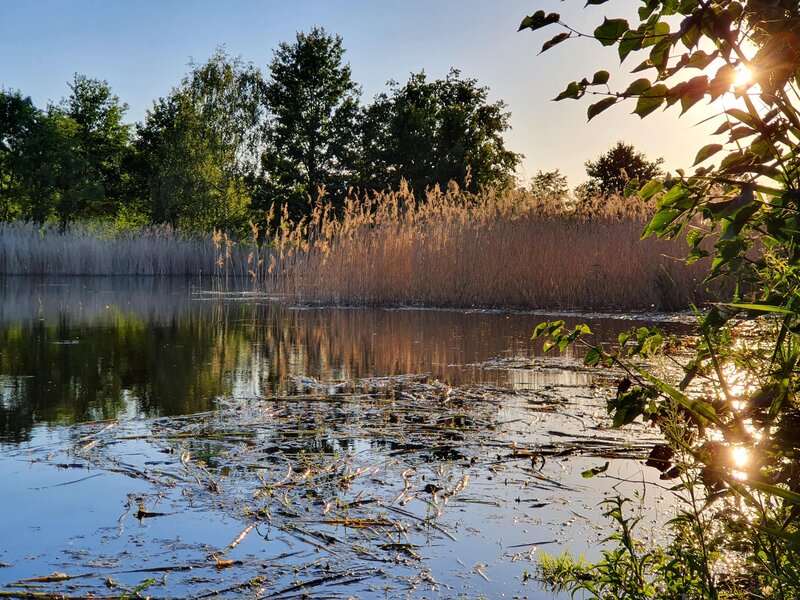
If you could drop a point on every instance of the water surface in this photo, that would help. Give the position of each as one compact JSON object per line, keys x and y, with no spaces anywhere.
{"x":89,"y":369}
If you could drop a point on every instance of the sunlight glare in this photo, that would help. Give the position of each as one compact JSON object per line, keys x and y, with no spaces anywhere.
{"x":740,"y":457}
{"x":744,"y":77}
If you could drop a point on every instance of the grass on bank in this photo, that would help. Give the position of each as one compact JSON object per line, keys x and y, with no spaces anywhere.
{"x":500,"y":248}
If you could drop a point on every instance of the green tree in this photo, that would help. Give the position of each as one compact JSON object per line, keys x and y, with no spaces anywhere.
{"x":199,"y":146}
{"x":432,"y":132}
{"x":549,"y":184}
{"x":92,"y":180}
{"x":742,"y":208}
{"x":18,"y":119}
{"x":311,"y":134}
{"x":611,"y":172}
{"x":66,"y":162}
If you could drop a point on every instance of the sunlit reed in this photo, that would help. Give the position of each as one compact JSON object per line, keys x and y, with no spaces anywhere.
{"x":495,"y":249}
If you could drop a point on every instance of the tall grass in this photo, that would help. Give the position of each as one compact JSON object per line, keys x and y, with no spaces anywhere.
{"x":499,"y":248}
{"x":27,"y":249}
{"x":495,"y":249}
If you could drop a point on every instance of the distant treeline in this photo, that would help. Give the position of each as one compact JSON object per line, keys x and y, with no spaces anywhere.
{"x":230,"y":141}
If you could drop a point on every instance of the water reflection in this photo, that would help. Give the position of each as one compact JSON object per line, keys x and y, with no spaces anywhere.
{"x":90,"y":349}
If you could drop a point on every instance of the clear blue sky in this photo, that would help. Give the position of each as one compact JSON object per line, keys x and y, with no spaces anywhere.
{"x":141,"y":48}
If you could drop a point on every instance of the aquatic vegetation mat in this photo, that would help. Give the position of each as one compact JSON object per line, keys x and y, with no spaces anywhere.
{"x":383,"y":486}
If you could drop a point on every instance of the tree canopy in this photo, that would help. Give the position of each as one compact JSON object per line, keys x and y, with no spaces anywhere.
{"x":611,"y":172}
{"x":229,"y":141}
{"x":312,"y":104}
{"x":198,"y":146}
{"x":64,"y":162}
{"x":432,"y":132}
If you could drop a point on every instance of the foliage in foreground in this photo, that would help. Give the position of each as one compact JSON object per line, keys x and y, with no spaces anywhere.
{"x":731,"y":417}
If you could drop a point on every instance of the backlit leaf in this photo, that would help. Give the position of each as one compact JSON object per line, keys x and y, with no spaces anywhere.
{"x":600,"y":78}
{"x":598,"y":107}
{"x":638,"y":87}
{"x":554,"y":41}
{"x":610,"y":31}
{"x":538,"y":20}
{"x":658,"y":33}
{"x":573,"y":90}
{"x":593,"y":357}
{"x":631,"y":40}
{"x":650,"y":189}
{"x":705,"y":152}
{"x":651,"y":100}
{"x":700,"y":60}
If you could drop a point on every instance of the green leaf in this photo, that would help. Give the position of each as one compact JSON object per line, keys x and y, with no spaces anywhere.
{"x":538,"y":20}
{"x":766,"y":308}
{"x":638,"y":87}
{"x":630,"y":41}
{"x":658,"y":33}
{"x":660,"y":221}
{"x":699,"y":408}
{"x":659,"y":55}
{"x":743,"y":116}
{"x":593,"y":356}
{"x":693,"y":91}
{"x":610,"y":31}
{"x":555,"y":40}
{"x":594,"y":471}
{"x":700,"y":60}
{"x":631,"y":188}
{"x":774,"y":490}
{"x":794,"y":538}
{"x":600,"y":78}
{"x":650,"y":189}
{"x":539,"y":330}
{"x":574,"y":90}
{"x":705,"y":152}
{"x":598,"y":107}
{"x":627,"y":406}
{"x":651,"y":100}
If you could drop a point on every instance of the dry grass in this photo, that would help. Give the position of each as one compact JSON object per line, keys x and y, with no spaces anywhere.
{"x":497,"y":249}
{"x":508,"y":249}
{"x":27,"y":249}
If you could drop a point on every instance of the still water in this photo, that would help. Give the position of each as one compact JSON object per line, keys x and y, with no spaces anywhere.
{"x":80,"y":355}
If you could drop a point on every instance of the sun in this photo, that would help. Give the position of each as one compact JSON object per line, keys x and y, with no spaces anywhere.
{"x":744,"y":76}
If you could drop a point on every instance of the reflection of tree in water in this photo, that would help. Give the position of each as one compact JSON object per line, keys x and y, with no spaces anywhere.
{"x":89,"y":351}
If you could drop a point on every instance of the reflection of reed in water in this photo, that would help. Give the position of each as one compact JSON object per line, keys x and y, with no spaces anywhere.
{"x":97,"y":349}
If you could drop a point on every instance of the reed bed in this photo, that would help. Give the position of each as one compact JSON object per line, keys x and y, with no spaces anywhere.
{"x":497,"y":249}
{"x":29,"y":249}
{"x":506,"y":249}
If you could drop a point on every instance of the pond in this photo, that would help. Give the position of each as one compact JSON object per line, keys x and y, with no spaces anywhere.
{"x":157,"y":435}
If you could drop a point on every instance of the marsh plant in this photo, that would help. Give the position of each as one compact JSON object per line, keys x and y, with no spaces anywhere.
{"x":730,"y":417}
{"x":395,"y":248}
{"x":501,"y":247}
